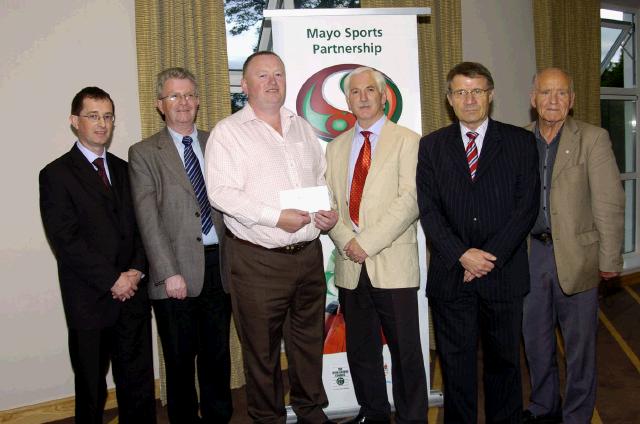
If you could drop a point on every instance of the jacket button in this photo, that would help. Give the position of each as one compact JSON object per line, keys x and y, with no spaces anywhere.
{"x":198,"y":214}
{"x":199,"y":238}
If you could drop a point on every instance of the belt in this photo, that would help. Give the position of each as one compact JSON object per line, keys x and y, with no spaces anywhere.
{"x":211,"y":247}
{"x":290,"y":249}
{"x":543,"y":237}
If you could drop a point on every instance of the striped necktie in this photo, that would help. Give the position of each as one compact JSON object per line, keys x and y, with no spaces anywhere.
{"x":472,"y":154}
{"x":194,"y":172}
{"x":360,"y":171}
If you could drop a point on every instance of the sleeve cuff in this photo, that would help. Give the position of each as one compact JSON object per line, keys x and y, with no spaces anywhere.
{"x":269,"y":217}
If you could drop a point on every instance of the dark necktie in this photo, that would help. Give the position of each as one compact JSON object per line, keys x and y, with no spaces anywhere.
{"x":102,"y":173}
{"x":472,"y":154}
{"x":192,"y":166}
{"x":360,"y":171}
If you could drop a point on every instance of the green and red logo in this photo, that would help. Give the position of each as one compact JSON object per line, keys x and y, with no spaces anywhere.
{"x":328,"y":121}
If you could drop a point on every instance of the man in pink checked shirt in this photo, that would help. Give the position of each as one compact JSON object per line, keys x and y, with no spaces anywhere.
{"x":274,"y":256}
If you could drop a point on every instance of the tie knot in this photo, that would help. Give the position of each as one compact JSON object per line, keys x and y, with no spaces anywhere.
{"x":187,"y":141}
{"x":472,"y":135}
{"x":366,"y":134}
{"x":99,"y":163}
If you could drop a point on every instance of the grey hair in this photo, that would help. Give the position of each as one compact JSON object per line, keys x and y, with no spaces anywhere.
{"x":380,"y":80}
{"x":174,"y":73}
{"x":534,"y":81}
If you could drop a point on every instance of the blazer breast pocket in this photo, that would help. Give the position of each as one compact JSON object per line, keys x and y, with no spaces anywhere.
{"x":574,"y":173}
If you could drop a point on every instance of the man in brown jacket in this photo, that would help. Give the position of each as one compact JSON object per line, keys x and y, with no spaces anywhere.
{"x":575,"y":242}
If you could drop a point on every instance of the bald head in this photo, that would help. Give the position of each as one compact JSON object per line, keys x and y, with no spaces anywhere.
{"x":552,"y":96}
{"x":552,"y":72}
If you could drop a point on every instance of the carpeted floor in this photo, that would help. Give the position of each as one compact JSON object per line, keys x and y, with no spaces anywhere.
{"x":618,"y":399}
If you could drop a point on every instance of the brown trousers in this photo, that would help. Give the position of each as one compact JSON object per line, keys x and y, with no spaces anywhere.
{"x":276,"y":295}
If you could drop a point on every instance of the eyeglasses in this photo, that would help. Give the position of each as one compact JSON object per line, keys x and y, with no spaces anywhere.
{"x":475,"y":92}
{"x":189,"y":97}
{"x":95,"y":117}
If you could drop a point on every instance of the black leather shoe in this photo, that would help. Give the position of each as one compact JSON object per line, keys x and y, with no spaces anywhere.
{"x":360,"y":419}
{"x":529,"y":418}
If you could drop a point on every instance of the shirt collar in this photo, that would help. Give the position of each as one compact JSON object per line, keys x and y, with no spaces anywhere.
{"x":247,"y":113}
{"x":91,"y":156}
{"x":539,"y":137}
{"x":177,"y":137}
{"x":376,"y":128}
{"x":481,"y":130}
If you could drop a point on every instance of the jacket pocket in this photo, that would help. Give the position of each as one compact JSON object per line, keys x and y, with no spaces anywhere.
{"x":588,"y":238}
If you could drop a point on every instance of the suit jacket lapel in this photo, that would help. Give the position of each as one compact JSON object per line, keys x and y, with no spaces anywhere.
{"x":342,"y":153}
{"x":490,"y":148}
{"x":384,"y":147}
{"x":455,"y":149}
{"x":171,"y":159}
{"x":88,"y":175}
{"x":567,"y":145}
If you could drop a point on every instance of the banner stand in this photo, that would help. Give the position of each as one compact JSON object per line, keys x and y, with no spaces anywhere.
{"x":319,"y":47}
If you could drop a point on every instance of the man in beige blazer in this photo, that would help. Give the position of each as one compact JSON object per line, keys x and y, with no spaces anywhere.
{"x":182,"y":235}
{"x":575,"y":242}
{"x":371,"y":175}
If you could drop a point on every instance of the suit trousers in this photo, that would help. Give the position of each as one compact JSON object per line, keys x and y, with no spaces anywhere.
{"x":127,"y":344}
{"x":276,"y":295}
{"x":194,"y":331}
{"x":366,"y":311}
{"x":459,"y":323}
{"x":577,"y":315}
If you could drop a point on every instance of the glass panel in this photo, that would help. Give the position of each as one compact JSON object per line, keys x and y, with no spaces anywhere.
{"x":238,"y":100}
{"x":607,"y":37}
{"x":619,"y":118}
{"x":325,"y":4}
{"x":617,"y":49}
{"x":243,"y":19}
{"x":630,"y":216}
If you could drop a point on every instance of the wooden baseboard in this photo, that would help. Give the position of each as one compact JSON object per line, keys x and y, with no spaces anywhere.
{"x":630,"y":279}
{"x":54,"y":410}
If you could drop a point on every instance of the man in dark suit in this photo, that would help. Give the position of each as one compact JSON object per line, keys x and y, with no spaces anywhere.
{"x":182,"y":234}
{"x":477,"y":183}
{"x":88,"y":217}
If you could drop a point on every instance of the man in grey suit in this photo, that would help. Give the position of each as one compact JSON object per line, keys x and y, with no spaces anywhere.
{"x":181,"y":233}
{"x":575,"y":242}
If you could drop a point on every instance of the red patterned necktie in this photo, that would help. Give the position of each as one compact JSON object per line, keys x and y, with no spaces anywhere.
{"x":102,"y":173}
{"x":472,"y":154}
{"x":360,"y":171}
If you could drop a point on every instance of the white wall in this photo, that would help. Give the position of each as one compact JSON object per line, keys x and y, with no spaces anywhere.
{"x":499,"y":34}
{"x":49,"y":51}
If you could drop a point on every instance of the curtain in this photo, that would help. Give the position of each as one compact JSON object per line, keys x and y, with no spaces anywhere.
{"x":439,"y":49}
{"x":567,"y":35}
{"x":190,"y":34}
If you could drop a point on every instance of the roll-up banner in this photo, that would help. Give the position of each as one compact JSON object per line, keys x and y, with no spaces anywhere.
{"x":319,"y":47}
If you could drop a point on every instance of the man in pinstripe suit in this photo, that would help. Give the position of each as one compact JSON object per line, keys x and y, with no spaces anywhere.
{"x":478,"y":194}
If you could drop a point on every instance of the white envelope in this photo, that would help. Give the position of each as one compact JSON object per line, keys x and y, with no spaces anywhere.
{"x":310,"y":199}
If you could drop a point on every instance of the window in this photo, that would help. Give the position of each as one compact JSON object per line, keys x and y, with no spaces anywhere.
{"x":619,"y":104}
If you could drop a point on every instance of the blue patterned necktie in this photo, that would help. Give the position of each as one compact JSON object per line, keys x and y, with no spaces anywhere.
{"x":192,"y":166}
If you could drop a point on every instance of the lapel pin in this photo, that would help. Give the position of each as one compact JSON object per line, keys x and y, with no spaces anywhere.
{"x":566,"y":151}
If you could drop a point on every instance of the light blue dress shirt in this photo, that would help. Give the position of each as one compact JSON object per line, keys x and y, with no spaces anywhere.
{"x":211,"y":238}
{"x":92,"y":156}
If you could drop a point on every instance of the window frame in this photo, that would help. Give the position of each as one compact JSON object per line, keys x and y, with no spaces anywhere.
{"x":631,"y":259}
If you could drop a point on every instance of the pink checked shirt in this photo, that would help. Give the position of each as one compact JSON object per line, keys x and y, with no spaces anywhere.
{"x":248,"y":163}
